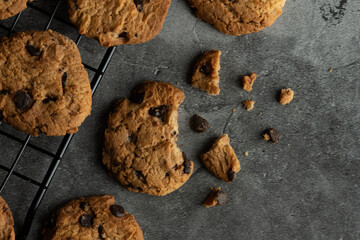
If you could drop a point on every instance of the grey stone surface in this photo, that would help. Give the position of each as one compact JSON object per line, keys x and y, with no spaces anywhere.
{"x":305,"y":187}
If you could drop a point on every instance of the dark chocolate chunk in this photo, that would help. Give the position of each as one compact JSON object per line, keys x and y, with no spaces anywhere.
{"x":123,"y":35}
{"x":199,"y":124}
{"x":167,"y":174}
{"x":273,"y":134}
{"x":159,"y":111}
{"x":83,"y":205}
{"x":137,"y":97}
{"x":117,"y":211}
{"x":205,"y":69}
{"x":63,"y":79}
{"x":22,"y":100}
{"x":33,"y":51}
{"x":101,"y":231}
{"x":86,"y":220}
{"x":187,"y":164}
{"x":220,"y":197}
{"x":139,"y":5}
{"x":231,"y":175}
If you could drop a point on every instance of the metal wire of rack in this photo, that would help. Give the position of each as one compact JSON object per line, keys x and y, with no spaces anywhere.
{"x":66,"y":140}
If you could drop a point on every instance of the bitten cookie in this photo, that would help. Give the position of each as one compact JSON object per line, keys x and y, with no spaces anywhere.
{"x":43,"y":85}
{"x":237,"y":17}
{"x":9,"y":8}
{"x":6,"y":222}
{"x":140,"y":142}
{"x":116,"y":22}
{"x":221,"y":159}
{"x":90,"y":218}
{"x":206,"y":72}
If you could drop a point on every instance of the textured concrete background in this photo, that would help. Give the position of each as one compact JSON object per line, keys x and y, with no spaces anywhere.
{"x":305,"y":187}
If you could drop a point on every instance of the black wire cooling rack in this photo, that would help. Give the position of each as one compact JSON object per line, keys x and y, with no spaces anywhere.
{"x":58,"y":155}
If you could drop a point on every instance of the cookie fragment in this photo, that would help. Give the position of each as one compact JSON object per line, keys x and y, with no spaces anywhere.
{"x":6,"y":221}
{"x":248,"y":81}
{"x":221,"y":159}
{"x":216,"y":197}
{"x":9,"y":8}
{"x":206,"y":72}
{"x":199,"y":124}
{"x":286,"y":96}
{"x":249,"y":105}
{"x":272,"y":135}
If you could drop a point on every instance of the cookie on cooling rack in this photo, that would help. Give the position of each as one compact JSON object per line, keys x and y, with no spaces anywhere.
{"x":43,"y":84}
{"x":9,"y":8}
{"x":237,"y":17}
{"x":140,"y":142}
{"x":90,"y":218}
{"x":119,"y":22}
{"x":6,"y":221}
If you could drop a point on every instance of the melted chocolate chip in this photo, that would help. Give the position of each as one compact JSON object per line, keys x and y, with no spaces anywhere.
{"x":123,"y":35}
{"x":220,"y":197}
{"x":117,"y":211}
{"x":167,"y":174}
{"x":33,"y":51}
{"x":86,"y":220}
{"x":83,"y":205}
{"x":22,"y":100}
{"x":139,"y":5}
{"x":205,"y":69}
{"x":158,"y":112}
{"x":187,"y":164}
{"x":50,"y":99}
{"x":137,"y":97}
{"x":199,"y":124}
{"x":101,"y":231}
{"x":231,"y":175}
{"x":63,"y":79}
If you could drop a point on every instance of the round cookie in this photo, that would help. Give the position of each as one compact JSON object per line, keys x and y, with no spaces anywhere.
{"x":6,"y":221}
{"x":237,"y":17}
{"x":9,"y":8}
{"x":116,"y":22}
{"x":140,"y":142}
{"x":91,"y":218}
{"x":43,"y":84}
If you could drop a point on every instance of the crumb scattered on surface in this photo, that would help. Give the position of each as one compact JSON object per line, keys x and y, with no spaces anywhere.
{"x":286,"y":96}
{"x":199,"y":124}
{"x":216,"y":197}
{"x":248,"y":82}
{"x":246,"y":154}
{"x":177,"y":83}
{"x":272,"y":135}
{"x":262,"y":125}
{"x":288,"y":145}
{"x":330,"y":70}
{"x":266,"y":137}
{"x":234,"y":110}
{"x":260,"y":113}
{"x":249,"y":105}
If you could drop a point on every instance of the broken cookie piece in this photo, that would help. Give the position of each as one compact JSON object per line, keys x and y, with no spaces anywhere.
{"x":199,"y":124}
{"x":248,"y":105}
{"x":215,"y":197}
{"x":248,"y":82}
{"x":221,"y":159}
{"x":272,"y":135}
{"x":286,"y":96}
{"x":206,"y":72}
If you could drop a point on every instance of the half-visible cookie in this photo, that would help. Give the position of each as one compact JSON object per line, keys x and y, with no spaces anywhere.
{"x":9,"y":8}
{"x":140,"y":142}
{"x":116,"y":22}
{"x":6,"y":222}
{"x":237,"y":17}
{"x":92,"y":218}
{"x":221,"y":159}
{"x":43,"y":84}
{"x":206,"y":72}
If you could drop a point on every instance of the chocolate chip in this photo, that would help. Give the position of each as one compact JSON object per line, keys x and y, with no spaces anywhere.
{"x":33,"y":51}
{"x":3,"y":92}
{"x":117,"y":211}
{"x":220,"y":197}
{"x":22,"y":100}
{"x":137,"y":97}
{"x":199,"y":124}
{"x":123,"y":35}
{"x":139,"y":174}
{"x":167,"y":174}
{"x":205,"y":69}
{"x":158,"y":112}
{"x":231,"y":175}
{"x":50,"y":99}
{"x":101,"y":231}
{"x":175,"y":167}
{"x":83,"y":205}
{"x":63,"y":79}
{"x":86,"y":220}
{"x":139,"y":5}
{"x":273,"y":134}
{"x":187,"y":164}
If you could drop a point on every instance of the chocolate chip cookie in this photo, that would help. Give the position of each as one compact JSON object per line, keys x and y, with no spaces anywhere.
{"x":206,"y":72}
{"x":221,"y":159}
{"x":9,"y":8}
{"x":116,"y":22}
{"x":43,"y":85}
{"x":140,"y":142}
{"x":90,"y":218}
{"x":237,"y":17}
{"x":6,"y":221}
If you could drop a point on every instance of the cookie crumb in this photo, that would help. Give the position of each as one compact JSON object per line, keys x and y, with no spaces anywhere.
{"x":330,"y":69}
{"x":248,"y":105}
{"x":248,"y":82}
{"x":286,"y":96}
{"x":272,"y":135}
{"x":246,"y":154}
{"x":177,"y":83}
{"x":260,"y":113}
{"x":216,"y":197}
{"x":234,"y":110}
